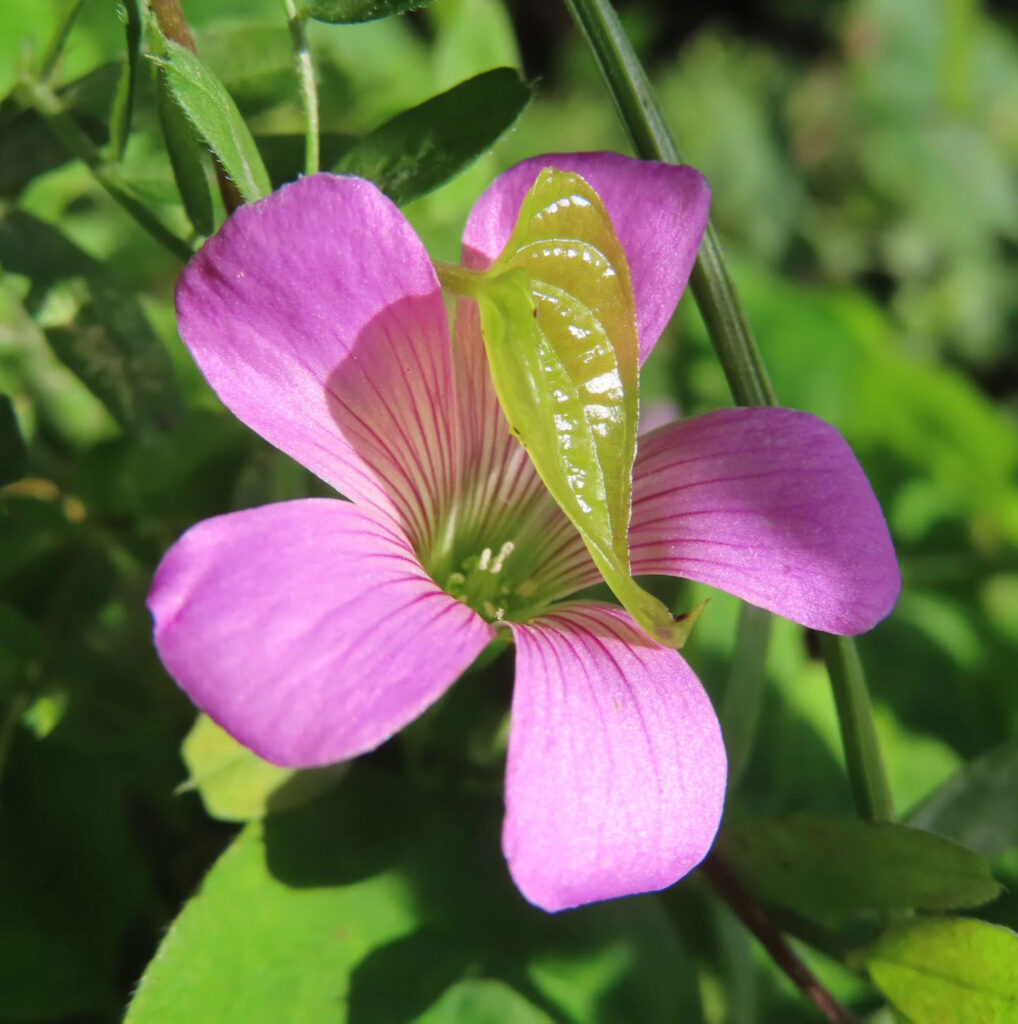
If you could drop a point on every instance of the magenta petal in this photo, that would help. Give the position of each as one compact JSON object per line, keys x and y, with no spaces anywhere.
{"x":308,"y":629}
{"x":616,"y":774}
{"x":316,"y":316}
{"x":659,"y":212}
{"x":770,"y":505}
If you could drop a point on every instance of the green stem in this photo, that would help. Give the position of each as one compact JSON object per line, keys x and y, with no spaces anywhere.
{"x":711,"y":283}
{"x":63,"y":125}
{"x":740,"y":358}
{"x":866,"y":773}
{"x":56,"y":46}
{"x":308,"y":87}
{"x":743,"y":697}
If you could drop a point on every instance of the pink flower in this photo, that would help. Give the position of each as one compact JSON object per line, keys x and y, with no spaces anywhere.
{"x":313,"y":630}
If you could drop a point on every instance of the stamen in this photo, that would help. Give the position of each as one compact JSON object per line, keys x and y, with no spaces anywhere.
{"x":504,"y":552}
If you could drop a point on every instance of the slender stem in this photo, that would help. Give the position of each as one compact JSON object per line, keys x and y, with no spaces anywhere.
{"x":173,"y":25}
{"x":63,"y":125}
{"x":866,"y":773}
{"x":743,"y":696}
{"x":711,"y":283}
{"x":756,"y":919}
{"x":56,"y":46}
{"x":740,"y":358}
{"x":308,"y":87}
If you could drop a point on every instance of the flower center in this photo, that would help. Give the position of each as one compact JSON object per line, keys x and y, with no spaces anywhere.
{"x":489,"y":582}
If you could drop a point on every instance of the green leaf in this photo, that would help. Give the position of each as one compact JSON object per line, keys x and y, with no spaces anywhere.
{"x":235,"y":784}
{"x":372,"y":902}
{"x":976,"y":806}
{"x":28,"y":147}
{"x":73,"y":882}
{"x":94,"y":324}
{"x":12,"y":447}
{"x":358,"y":10}
{"x":284,"y":153}
{"x":483,"y":1001}
{"x":558,"y":319}
{"x":840,"y":866}
{"x":948,"y":971}
{"x":123,"y":102}
{"x":215,"y":117}
{"x":427,"y":145}
{"x":187,"y":158}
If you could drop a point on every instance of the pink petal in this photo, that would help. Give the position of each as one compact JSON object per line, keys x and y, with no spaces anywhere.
{"x":616,"y":773}
{"x":308,"y":629}
{"x":316,"y":316}
{"x":659,"y":212}
{"x":770,"y":505}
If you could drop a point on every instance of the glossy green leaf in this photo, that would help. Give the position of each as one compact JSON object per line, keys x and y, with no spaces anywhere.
{"x":559,"y":324}
{"x":841,"y":866}
{"x":374,"y":902}
{"x":358,"y":10}
{"x":123,"y":102}
{"x":951,"y":970}
{"x":12,"y":447}
{"x":423,"y":147}
{"x":235,"y":784}
{"x":977,"y":806}
{"x":215,"y":117}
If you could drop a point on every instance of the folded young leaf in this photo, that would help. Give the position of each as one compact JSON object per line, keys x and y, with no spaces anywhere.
{"x":558,"y":319}
{"x":216,"y":119}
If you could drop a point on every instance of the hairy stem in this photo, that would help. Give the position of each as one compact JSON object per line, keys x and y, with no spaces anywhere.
{"x":308,"y":87}
{"x":756,"y":919}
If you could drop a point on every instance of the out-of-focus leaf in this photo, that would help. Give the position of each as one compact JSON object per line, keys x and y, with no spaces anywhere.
{"x":483,"y":1001}
{"x":187,"y":158}
{"x":380,"y":880}
{"x":123,"y":102}
{"x":284,"y":154}
{"x":977,"y":806}
{"x":841,"y":866}
{"x":951,"y":970}
{"x":96,"y":327}
{"x":28,"y":147}
{"x":215,"y":117}
{"x":559,"y":325}
{"x":471,"y":36}
{"x":235,"y":784}
{"x":72,"y":883}
{"x":336,"y":11}
{"x":12,"y":446}
{"x":423,"y":147}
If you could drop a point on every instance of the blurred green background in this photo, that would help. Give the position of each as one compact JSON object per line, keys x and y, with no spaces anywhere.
{"x":864,"y":162}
